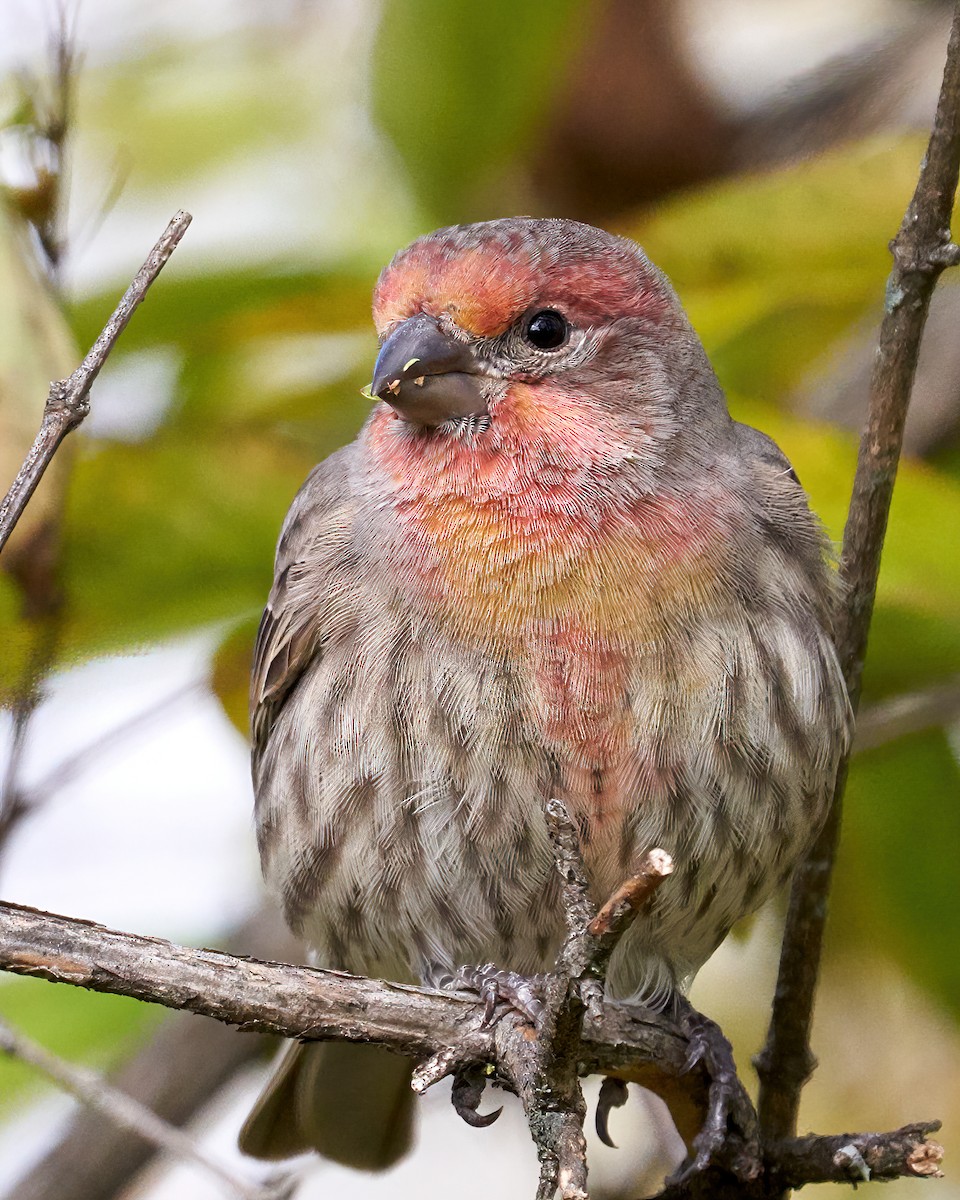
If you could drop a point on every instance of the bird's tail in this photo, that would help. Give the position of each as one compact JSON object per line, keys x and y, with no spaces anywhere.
{"x":351,"y":1103}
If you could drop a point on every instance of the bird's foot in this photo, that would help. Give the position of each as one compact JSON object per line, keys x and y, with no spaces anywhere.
{"x":501,"y":991}
{"x":729,"y":1136}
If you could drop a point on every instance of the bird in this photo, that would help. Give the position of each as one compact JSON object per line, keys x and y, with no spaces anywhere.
{"x":551,"y":565}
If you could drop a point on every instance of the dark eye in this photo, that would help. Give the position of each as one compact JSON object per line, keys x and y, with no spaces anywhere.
{"x":546,"y":330}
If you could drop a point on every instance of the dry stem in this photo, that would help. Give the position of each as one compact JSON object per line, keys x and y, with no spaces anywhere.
{"x":921,"y":250}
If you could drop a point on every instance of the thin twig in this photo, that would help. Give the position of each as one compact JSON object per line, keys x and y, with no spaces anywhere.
{"x":545,"y":1075}
{"x":75,"y":764}
{"x":631,"y":897}
{"x":593,"y":936}
{"x":921,"y":250}
{"x":69,"y":400}
{"x":92,"y":1090}
{"x":859,"y":1157}
{"x":898,"y":716}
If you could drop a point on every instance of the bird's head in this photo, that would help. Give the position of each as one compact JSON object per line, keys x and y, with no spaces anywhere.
{"x":575,"y":320}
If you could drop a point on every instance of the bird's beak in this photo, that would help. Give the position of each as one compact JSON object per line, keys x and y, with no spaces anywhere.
{"x":426,"y":376}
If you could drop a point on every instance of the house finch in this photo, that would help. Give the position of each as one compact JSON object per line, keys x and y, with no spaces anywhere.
{"x":550,"y":565}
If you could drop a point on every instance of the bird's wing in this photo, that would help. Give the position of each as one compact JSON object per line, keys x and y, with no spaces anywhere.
{"x":753,"y":443}
{"x":313,"y":544}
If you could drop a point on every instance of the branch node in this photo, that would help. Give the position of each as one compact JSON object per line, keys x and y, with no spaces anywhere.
{"x":947,"y":255}
{"x":849,"y":1159}
{"x":65,"y":402}
{"x":435,"y":1068}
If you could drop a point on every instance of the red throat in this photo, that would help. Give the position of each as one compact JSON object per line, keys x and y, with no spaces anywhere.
{"x":536,"y":516}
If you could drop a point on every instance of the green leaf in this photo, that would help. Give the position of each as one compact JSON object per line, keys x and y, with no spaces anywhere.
{"x":179,"y":529}
{"x":461,"y":89}
{"x":898,"y":873}
{"x":69,"y":1022}
{"x":772,"y":268}
{"x":225,"y":308}
{"x":918,"y":596}
{"x":168,"y":537}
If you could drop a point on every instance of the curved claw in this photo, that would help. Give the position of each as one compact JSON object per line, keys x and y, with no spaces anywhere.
{"x":613,"y":1094}
{"x":466,"y":1096}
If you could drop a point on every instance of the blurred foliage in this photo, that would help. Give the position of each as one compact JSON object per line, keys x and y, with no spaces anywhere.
{"x":897,"y":875}
{"x":774,"y":270}
{"x":88,"y":1026}
{"x":460,"y":100}
{"x":232,"y":664}
{"x":36,"y":346}
{"x":174,"y":527}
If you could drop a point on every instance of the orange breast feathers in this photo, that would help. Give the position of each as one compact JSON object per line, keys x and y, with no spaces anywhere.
{"x":535,"y":520}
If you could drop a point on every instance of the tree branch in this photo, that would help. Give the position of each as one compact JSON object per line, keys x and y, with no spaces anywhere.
{"x":628,"y":1042}
{"x":921,"y":250}
{"x":306,"y":1002}
{"x":69,"y":399}
{"x":858,"y":1157}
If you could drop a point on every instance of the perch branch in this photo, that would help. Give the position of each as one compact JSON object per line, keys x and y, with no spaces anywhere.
{"x":69,"y":399}
{"x":304,"y":1002}
{"x":921,"y":250}
{"x":294,"y":1001}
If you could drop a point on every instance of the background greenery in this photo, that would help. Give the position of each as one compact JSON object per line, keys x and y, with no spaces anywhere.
{"x":260,"y":339}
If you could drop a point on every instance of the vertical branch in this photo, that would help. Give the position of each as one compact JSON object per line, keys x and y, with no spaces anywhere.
{"x":921,"y":250}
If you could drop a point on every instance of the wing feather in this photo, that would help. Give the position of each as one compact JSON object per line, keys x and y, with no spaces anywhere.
{"x":313,"y":543}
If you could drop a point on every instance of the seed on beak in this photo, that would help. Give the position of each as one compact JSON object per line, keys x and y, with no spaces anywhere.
{"x":419,"y":380}
{"x":408,"y":365}
{"x":394,"y":387}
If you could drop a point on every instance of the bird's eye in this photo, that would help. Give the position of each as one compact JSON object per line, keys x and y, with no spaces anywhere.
{"x":546,"y":330}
